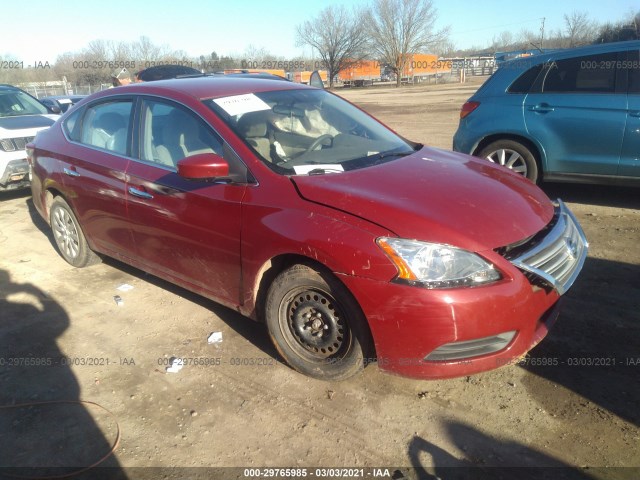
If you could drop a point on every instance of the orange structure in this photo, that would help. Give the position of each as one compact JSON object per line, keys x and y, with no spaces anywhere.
{"x":362,"y":70}
{"x":423,"y":64}
{"x":303,"y":77}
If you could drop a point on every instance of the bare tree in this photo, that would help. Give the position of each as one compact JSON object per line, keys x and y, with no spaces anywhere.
{"x":528,"y":40}
{"x":627,"y":29}
{"x":445,"y":48}
{"x":580,"y":30}
{"x":339,"y":37}
{"x":502,"y":41}
{"x":399,"y":28}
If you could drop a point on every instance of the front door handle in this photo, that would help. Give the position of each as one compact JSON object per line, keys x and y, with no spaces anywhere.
{"x":71,"y":173}
{"x":635,"y":114}
{"x":541,"y":108}
{"x":140,"y":193}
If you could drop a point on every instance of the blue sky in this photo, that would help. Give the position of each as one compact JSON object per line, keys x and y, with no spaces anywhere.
{"x":229,"y":27}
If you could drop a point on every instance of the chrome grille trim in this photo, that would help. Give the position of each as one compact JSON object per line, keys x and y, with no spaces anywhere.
{"x":13,"y":144}
{"x":559,"y":257}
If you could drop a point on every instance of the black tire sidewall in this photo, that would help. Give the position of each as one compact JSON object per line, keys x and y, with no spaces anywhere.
{"x":353,"y":360}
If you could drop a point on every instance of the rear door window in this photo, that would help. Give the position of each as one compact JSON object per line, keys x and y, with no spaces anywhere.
{"x":587,"y":74}
{"x":107,"y":126}
{"x":632,"y":66}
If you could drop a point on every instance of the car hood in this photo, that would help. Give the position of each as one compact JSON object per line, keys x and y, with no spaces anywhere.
{"x":437,"y":196}
{"x":9,"y":125}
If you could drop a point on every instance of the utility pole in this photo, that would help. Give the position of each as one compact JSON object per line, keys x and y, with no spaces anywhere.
{"x":542,"y":33}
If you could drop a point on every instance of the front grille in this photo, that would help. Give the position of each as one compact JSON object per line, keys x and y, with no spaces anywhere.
{"x":558,"y":256}
{"x":13,"y":144}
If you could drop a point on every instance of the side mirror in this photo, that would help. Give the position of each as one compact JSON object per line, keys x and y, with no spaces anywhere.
{"x":315,"y":80}
{"x":203,"y":166}
{"x":53,"y":109}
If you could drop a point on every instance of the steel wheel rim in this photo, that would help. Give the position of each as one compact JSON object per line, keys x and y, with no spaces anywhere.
{"x":66,"y":233}
{"x":510,"y":159}
{"x":314,"y":325}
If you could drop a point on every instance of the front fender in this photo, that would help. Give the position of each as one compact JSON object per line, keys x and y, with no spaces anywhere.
{"x":342,"y":243}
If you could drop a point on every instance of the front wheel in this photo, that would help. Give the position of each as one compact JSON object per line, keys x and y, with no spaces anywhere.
{"x":316,"y":324}
{"x":512,"y":155}
{"x":68,"y":235}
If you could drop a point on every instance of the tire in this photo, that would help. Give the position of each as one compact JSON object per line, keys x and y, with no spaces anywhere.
{"x":68,"y":235}
{"x":512,"y":155}
{"x":316,"y":325}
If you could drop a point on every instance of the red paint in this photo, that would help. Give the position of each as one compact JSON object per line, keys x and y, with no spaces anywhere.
{"x":217,"y":238}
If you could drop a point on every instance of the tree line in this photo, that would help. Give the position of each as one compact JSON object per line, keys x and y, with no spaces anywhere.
{"x":386,"y":31}
{"x":390,"y":30}
{"x":578,"y":29}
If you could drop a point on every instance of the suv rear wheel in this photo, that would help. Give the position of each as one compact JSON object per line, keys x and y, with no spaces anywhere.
{"x":513,"y":155}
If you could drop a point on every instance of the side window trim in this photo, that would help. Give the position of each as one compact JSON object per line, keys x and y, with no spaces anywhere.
{"x":551,"y":63}
{"x":80,"y":123}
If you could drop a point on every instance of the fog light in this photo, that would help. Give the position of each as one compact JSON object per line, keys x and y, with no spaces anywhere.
{"x":470,"y":348}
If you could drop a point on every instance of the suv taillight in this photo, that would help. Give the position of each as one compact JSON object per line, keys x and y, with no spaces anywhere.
{"x":467,"y":108}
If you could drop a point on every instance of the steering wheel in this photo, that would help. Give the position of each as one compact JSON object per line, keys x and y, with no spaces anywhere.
{"x":316,"y":143}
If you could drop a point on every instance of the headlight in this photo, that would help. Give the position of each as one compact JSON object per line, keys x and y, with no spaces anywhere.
{"x":437,"y":266}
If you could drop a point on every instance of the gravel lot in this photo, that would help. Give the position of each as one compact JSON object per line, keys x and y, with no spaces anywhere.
{"x":573,"y":405}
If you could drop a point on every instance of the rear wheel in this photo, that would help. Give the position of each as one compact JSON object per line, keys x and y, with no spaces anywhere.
{"x":316,"y":324}
{"x":68,"y":235}
{"x":513,"y":155}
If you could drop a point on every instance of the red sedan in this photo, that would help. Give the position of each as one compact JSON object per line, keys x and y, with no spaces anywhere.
{"x":296,"y":208}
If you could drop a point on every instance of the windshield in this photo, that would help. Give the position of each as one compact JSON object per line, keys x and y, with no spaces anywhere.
{"x":300,"y":132}
{"x":15,"y":102}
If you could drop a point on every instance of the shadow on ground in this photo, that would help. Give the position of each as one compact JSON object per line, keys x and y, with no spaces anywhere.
{"x":604,"y":195}
{"x":46,"y":429}
{"x":593,"y":349}
{"x":484,"y":457}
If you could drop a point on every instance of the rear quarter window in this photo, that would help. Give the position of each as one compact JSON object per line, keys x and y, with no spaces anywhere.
{"x":525,"y":81}
{"x":72,"y":127}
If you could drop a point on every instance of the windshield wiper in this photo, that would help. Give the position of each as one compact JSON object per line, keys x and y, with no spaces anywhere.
{"x":392,"y":154}
{"x":322,"y":171}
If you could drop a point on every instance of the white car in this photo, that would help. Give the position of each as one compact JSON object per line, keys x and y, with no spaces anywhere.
{"x":21,"y":117}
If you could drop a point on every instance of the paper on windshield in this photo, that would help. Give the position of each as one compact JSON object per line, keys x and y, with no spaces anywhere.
{"x":240,"y":104}
{"x":328,"y":168}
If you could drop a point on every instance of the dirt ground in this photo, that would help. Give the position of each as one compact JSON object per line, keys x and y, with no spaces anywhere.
{"x":573,"y":405}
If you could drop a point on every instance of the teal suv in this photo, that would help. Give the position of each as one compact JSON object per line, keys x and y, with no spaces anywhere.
{"x":568,"y":115}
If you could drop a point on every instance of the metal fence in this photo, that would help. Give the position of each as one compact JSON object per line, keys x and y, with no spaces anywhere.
{"x":58,"y":88}
{"x":460,"y":69}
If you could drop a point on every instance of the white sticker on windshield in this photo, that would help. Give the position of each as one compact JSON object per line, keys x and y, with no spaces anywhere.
{"x":239,"y":104}
{"x":328,"y":168}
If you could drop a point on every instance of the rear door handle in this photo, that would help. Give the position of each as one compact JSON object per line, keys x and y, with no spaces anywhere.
{"x":71,"y":173}
{"x":635,"y":114}
{"x":541,"y":108}
{"x":140,"y":193}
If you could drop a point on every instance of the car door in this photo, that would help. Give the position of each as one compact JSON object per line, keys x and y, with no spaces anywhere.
{"x":94,"y":172}
{"x":184,"y":230}
{"x":630,"y":155}
{"x":577,"y":112}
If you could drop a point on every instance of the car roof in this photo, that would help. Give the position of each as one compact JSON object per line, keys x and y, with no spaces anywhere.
{"x":529,"y":61}
{"x":9,"y":87}
{"x":206,"y":87}
{"x":60,"y":97}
